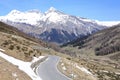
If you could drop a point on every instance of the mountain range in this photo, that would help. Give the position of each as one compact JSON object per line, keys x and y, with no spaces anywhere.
{"x":53,"y":25}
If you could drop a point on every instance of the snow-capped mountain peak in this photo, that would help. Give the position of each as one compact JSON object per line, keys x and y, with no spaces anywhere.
{"x":54,"y":15}
{"x":13,"y":12}
{"x":28,"y":17}
{"x":52,"y":9}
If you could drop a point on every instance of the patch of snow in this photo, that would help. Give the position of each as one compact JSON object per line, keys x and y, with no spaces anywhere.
{"x":36,"y":59}
{"x":14,"y":36}
{"x":14,"y":74}
{"x":87,"y":20}
{"x":84,"y":70}
{"x":73,"y":75}
{"x":2,"y":50}
{"x":108,"y":72}
{"x":24,"y":66}
{"x":16,"y":79}
{"x":62,"y":64}
{"x":64,"y":68}
{"x":118,"y":73}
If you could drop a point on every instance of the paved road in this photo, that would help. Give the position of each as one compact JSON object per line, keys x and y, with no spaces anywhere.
{"x":47,"y":70}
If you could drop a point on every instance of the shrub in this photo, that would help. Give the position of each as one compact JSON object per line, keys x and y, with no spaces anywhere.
{"x":18,"y":47}
{"x":68,"y":58}
{"x":14,"y":39}
{"x":5,"y":43}
{"x":24,"y":48}
{"x":11,"y":47}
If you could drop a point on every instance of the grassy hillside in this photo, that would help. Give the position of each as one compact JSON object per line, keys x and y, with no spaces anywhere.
{"x":18,"y":44}
{"x":103,"y":42}
{"x":12,"y":30}
{"x":99,"y":52}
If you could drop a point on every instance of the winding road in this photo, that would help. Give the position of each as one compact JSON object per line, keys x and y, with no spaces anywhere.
{"x":47,"y":70}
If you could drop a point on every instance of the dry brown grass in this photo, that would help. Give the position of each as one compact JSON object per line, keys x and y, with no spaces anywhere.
{"x":71,"y":69}
{"x":9,"y":71}
{"x":18,"y":47}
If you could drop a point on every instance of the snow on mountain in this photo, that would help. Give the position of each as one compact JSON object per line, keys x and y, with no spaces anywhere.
{"x":53,"y":25}
{"x":54,"y":15}
{"x":108,"y":23}
{"x":30,"y":17}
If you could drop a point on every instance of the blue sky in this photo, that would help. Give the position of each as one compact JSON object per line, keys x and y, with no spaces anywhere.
{"x":103,"y":10}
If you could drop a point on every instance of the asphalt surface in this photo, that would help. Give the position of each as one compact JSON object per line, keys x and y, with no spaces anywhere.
{"x":47,"y":70}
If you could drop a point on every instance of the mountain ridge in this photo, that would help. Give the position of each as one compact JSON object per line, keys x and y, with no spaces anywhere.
{"x":103,"y":42}
{"x":51,"y":23}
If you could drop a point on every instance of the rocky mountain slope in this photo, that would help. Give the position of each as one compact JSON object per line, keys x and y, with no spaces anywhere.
{"x":103,"y":42}
{"x":52,"y":26}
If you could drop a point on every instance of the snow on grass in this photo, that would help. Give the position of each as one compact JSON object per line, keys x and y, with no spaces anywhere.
{"x":84,"y":70}
{"x":73,"y":75}
{"x":24,"y":66}
{"x":64,"y":68}
{"x":62,"y":64}
{"x":2,"y":50}
{"x":14,"y":74}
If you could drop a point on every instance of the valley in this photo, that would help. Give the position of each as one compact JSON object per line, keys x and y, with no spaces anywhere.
{"x":57,"y":46}
{"x":105,"y":66}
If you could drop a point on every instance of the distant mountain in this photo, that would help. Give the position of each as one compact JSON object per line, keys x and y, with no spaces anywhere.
{"x":52,"y":26}
{"x":108,"y":23}
{"x":104,"y":42}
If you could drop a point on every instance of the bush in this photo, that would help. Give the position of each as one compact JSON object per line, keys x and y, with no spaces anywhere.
{"x":18,"y":47}
{"x":14,"y":39}
{"x":11,"y":47}
{"x":68,"y":58}
{"x":5,"y":43}
{"x":24,"y":48}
